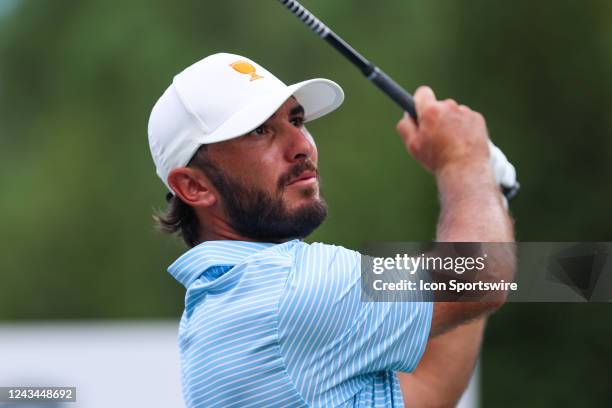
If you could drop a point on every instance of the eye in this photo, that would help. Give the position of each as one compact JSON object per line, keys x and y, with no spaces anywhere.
{"x":259,"y":131}
{"x":298,"y":121}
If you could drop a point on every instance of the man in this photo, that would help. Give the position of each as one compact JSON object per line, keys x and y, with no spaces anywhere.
{"x":269,"y":320}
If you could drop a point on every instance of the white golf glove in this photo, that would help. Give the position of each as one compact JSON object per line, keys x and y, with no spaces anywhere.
{"x":504,"y":171}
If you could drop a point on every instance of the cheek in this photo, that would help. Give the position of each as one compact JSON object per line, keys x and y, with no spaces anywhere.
{"x":252,"y":166}
{"x":254,"y":171}
{"x":264,"y":173}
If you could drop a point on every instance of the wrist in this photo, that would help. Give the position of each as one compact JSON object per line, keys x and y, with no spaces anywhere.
{"x":472,"y":180}
{"x":467,"y":172}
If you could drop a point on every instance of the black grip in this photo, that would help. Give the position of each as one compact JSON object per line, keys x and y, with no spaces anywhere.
{"x":394,"y":91}
{"x":511,"y":192}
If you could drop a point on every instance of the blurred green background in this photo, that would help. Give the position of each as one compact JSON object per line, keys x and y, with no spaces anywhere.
{"x":78,"y":80}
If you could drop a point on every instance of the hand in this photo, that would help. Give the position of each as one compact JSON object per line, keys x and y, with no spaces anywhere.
{"x":448,"y":134}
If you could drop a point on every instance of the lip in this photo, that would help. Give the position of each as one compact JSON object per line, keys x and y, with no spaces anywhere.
{"x":308,"y":177}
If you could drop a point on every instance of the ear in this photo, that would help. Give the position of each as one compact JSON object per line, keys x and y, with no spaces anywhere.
{"x":192,"y":187}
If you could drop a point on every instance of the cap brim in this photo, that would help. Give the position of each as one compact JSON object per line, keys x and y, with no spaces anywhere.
{"x":318,"y":97}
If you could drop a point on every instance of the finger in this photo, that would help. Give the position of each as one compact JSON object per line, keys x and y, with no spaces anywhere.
{"x":464,"y":108}
{"x":408,"y":130}
{"x":424,"y":97}
{"x":452,"y":104}
{"x":406,"y":127}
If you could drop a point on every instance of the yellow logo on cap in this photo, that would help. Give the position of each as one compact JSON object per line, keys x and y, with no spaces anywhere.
{"x":245,"y":67}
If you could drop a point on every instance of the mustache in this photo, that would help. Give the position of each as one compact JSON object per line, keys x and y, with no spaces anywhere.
{"x":295,"y":171}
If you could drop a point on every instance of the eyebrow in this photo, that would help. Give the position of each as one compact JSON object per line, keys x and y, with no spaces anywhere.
{"x":296,"y":110}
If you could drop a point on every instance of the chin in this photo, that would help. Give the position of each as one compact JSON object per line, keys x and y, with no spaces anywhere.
{"x":303,"y":196}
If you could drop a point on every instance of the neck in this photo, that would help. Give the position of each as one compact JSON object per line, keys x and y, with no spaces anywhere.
{"x":229,"y":234}
{"x":216,"y":228}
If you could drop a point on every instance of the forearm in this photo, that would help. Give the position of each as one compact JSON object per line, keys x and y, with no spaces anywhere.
{"x":445,"y":368}
{"x":472,"y":210}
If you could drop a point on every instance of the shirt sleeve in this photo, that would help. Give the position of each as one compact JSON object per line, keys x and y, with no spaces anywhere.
{"x":331,"y":340}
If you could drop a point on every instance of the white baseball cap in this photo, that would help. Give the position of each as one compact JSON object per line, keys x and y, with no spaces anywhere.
{"x":222,"y":97}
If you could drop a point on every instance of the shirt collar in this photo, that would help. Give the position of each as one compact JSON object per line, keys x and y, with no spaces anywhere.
{"x":193,"y":263}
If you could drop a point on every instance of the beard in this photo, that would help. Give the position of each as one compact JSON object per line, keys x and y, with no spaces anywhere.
{"x":262,"y":216}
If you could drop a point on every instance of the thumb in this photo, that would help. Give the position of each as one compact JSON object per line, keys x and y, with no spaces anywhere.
{"x":423,"y":98}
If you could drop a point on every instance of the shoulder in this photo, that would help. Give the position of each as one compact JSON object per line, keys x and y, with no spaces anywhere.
{"x":319,"y":268}
{"x":324,"y":263}
{"x":325,"y":254}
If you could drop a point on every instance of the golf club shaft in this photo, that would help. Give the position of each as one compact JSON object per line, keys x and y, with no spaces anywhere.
{"x":371,"y":71}
{"x":383,"y":81}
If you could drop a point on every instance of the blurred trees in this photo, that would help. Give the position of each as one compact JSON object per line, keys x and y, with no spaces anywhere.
{"x":78,"y":80}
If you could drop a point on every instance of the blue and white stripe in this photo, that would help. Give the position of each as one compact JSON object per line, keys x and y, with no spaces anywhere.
{"x":282,"y":325}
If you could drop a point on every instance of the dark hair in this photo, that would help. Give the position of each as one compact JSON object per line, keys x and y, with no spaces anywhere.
{"x":180,"y":218}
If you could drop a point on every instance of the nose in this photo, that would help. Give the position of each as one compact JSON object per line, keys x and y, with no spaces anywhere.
{"x":300,"y":144}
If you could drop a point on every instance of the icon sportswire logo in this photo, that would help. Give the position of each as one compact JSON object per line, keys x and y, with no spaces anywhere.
{"x":245,"y":67}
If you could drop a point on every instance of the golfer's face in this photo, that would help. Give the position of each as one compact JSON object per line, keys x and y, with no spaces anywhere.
{"x":278,"y":157}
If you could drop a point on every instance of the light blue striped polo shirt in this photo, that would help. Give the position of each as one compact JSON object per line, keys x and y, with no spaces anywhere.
{"x":282,"y":325}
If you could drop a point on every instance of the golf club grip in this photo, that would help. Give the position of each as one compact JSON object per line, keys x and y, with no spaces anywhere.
{"x":394,"y":91}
